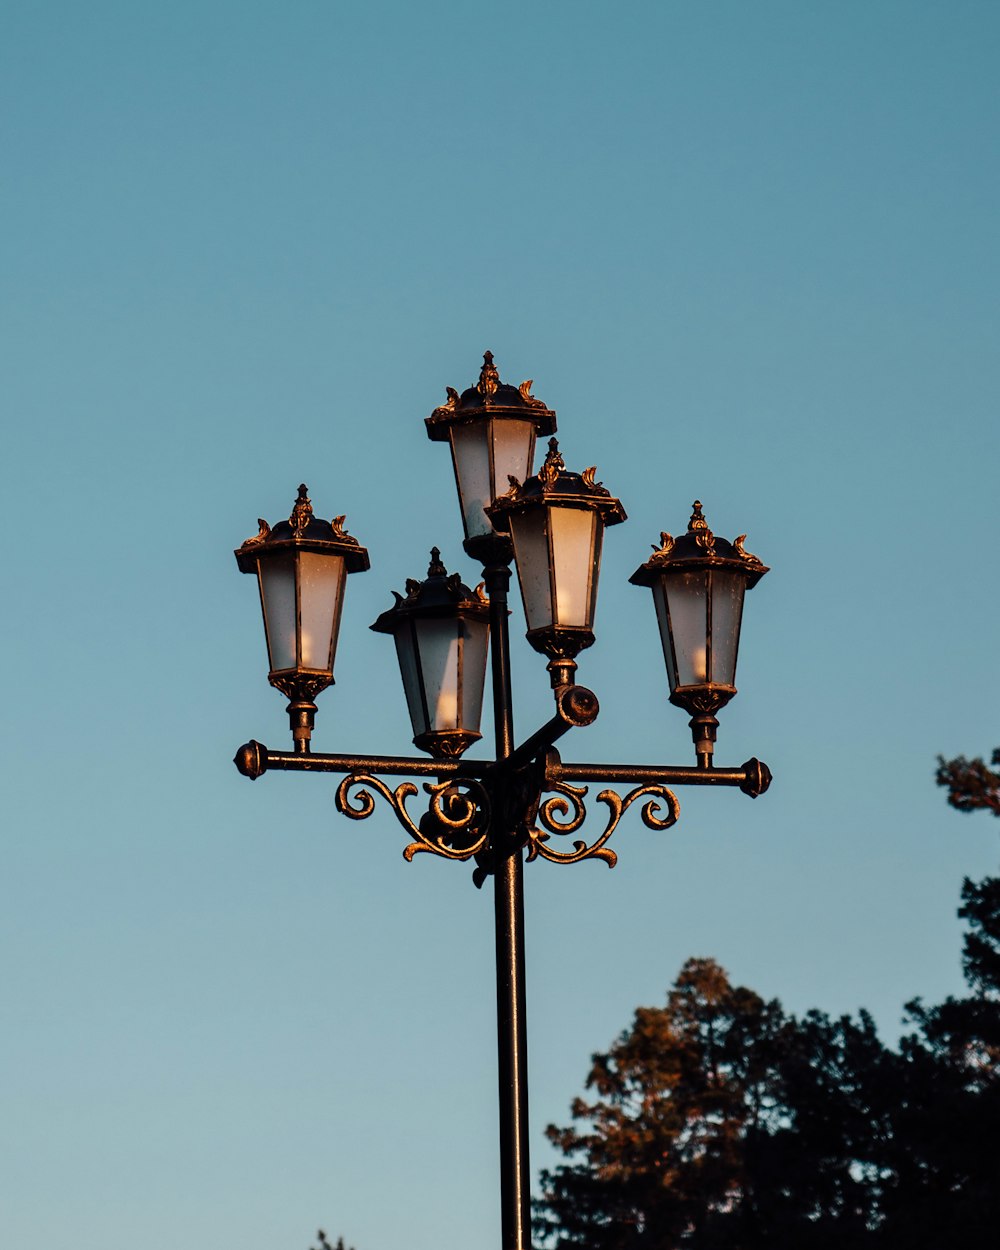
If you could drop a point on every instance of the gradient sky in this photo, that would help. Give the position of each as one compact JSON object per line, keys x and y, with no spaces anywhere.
{"x":749,"y":254}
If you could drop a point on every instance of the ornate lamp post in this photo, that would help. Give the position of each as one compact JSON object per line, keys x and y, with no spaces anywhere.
{"x":495,"y":811}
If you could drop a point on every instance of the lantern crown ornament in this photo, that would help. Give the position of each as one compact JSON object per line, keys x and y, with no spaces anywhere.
{"x":303,"y":531}
{"x":698,"y":582}
{"x":489,"y":398}
{"x":555,"y":484}
{"x":301,"y":565}
{"x":699,"y":548}
{"x":491,"y":428}
{"x":441,"y":630}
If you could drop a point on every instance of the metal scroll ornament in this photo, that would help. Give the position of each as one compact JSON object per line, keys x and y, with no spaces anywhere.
{"x":455,"y":825}
{"x":564,"y":812}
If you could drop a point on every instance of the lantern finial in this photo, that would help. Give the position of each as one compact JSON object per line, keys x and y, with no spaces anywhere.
{"x":436,"y":568}
{"x":489,"y":379}
{"x":698,"y":526}
{"x":302,"y":511}
{"x":553,"y":466}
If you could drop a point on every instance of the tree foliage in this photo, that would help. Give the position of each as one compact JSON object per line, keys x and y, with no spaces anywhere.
{"x":719,"y":1122}
{"x":970,"y":784}
{"x":325,"y":1245}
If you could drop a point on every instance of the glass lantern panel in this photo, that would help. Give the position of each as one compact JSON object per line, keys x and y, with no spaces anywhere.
{"x":573,"y":539}
{"x":660,"y":600}
{"x":406,"y":653}
{"x":470,"y":452}
{"x":513,"y":452}
{"x":474,"y":648}
{"x":728,"y":586}
{"x":321,"y":594}
{"x":437,"y":641}
{"x":530,"y":533}
{"x":687,"y":604}
{"x":277,"y":595}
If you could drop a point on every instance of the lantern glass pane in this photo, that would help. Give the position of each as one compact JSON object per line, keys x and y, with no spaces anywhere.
{"x":728,"y":586}
{"x":530,"y":533}
{"x":277,"y":593}
{"x":474,"y":648}
{"x":471,"y":454}
{"x":321,"y":594}
{"x":687,"y":604}
{"x":513,"y":452}
{"x":660,"y":600}
{"x":573,"y":539}
{"x":406,"y":653}
{"x":438,"y":644}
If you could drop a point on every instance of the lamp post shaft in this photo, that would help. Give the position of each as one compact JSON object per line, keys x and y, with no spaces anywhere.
{"x":508,"y":878}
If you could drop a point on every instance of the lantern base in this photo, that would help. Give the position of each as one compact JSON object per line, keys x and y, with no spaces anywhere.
{"x":300,"y":687}
{"x":446,"y":744}
{"x":703,"y":702}
{"x":302,"y":718}
{"x":560,"y":642}
{"x":562,"y":673}
{"x":492,"y":548}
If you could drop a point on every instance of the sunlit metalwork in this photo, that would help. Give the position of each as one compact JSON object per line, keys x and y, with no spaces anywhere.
{"x":455,"y":825}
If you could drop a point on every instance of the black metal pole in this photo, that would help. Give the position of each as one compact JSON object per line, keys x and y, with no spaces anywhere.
{"x":512,"y":1035}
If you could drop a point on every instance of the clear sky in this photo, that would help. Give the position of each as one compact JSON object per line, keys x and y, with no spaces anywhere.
{"x":749,"y":254}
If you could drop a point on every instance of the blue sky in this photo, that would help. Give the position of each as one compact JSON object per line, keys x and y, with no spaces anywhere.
{"x":749,"y":255}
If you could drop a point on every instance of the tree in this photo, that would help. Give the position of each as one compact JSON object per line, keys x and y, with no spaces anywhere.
{"x":717,"y":1122}
{"x":971,"y":785}
{"x":946,"y":1175}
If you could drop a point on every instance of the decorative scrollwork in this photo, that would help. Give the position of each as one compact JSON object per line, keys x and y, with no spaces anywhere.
{"x":741,"y":550}
{"x":566,"y":797}
{"x":337,"y":525}
{"x":455,"y":825}
{"x":565,"y":812}
{"x":665,"y":548}
{"x":265,"y":529}
{"x":526,"y":395}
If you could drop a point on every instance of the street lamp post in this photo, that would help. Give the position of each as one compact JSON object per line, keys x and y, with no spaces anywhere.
{"x":550,"y":525}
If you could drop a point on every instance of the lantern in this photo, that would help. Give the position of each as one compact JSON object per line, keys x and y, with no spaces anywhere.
{"x":557,"y":520}
{"x":698,"y":583}
{"x":301,"y":565}
{"x":491,"y":428}
{"x":441,"y":631}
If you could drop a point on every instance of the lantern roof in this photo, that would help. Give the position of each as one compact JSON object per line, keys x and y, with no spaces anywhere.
{"x":489,"y":398}
{"x":303,"y":532}
{"x":699,"y":548}
{"x":554,"y":483}
{"x":440,"y":594}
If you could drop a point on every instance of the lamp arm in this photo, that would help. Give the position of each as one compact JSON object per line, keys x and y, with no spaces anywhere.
{"x":576,"y":706}
{"x":253,"y":759}
{"x":752,"y":778}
